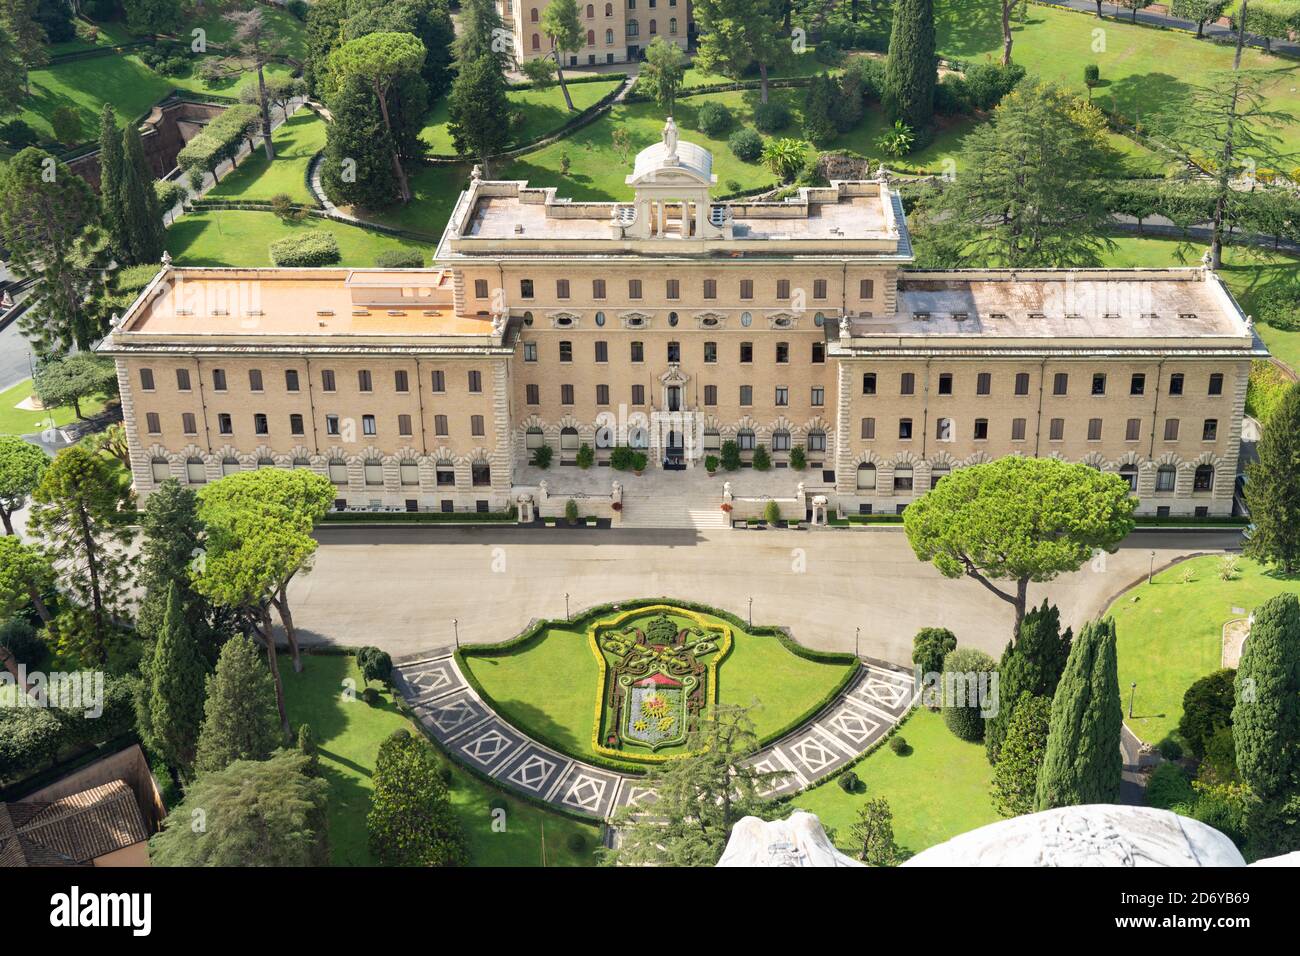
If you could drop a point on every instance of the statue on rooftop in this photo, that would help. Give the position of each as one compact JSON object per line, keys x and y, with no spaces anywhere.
{"x":670,"y":138}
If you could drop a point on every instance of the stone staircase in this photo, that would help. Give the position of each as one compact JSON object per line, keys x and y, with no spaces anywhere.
{"x":671,"y":512}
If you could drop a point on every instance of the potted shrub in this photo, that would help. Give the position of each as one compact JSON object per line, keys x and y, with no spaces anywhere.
{"x":542,"y":456}
{"x":726,"y":507}
{"x":591,"y":521}
{"x":571,"y":511}
{"x":730,"y":455}
{"x":586,"y":457}
{"x":620,"y":459}
{"x":711,"y":465}
{"x":798,"y":461}
{"x":762,"y":460}
{"x":772,"y":513}
{"x":617,"y":506}
{"x":639,"y":462}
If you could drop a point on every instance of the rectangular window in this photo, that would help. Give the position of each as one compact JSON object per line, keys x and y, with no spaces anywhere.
{"x":782,"y":353}
{"x":746,"y":352}
{"x":400,"y":380}
{"x":561,"y":288}
{"x":634,"y":288}
{"x":525,"y":288}
{"x":782,"y":395}
{"x":905,"y":429}
{"x":291,"y":380}
{"x":945,"y":383}
{"x":530,"y":351}
{"x":475,"y":380}
{"x":1094,"y":429}
{"x":868,"y":429}
{"x":364,"y":382}
{"x":710,"y":394}
{"x":1056,"y":429}
{"x":368,"y":425}
{"x":1210,"y":430}
{"x":746,"y":395}
{"x":907,"y":386}
{"x":710,"y":288}
{"x":819,"y":288}
{"x":1061,"y":383}
{"x":404,"y":424}
{"x":868,"y":383}
{"x":674,"y":351}
{"x":1176,"y":383}
{"x":480,"y":288}
{"x":638,"y":351}
{"x":255,"y":379}
{"x":983,"y":383}
{"x":566,"y":394}
{"x":1171,"y":429}
{"x":602,"y":394}
{"x":781,"y":441}
{"x":783,"y":288}
{"x":152,"y":423}
{"x":818,"y":396}
{"x":260,"y":424}
{"x":817,"y":441}
{"x":225,"y":424}
{"x":602,"y":351}
{"x":747,"y":288}
{"x":190,"y":426}
{"x":1017,"y":429}
{"x":1133,"y":429}
{"x":566,"y":351}
{"x":219,"y":379}
{"x":438,"y":382}
{"x":331,"y":424}
{"x":183,"y":379}
{"x":440,"y":426}
{"x":866,"y":288}
{"x":819,"y":353}
{"x":746,"y":440}
{"x":1216,"y":383}
{"x":981,"y":429}
{"x":532,"y":394}
{"x":146,"y":379}
{"x":476,"y":426}
{"x":1022,"y":383}
{"x":1137,"y":384}
{"x":638,"y":394}
{"x":598,"y":288}
{"x":673,"y":289}
{"x":1099,"y":383}
{"x":326,"y":380}
{"x":445,"y":477}
{"x":710,"y":352}
{"x":296,"y":427}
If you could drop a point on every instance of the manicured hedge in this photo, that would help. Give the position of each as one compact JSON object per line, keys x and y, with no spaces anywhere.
{"x":310,"y":249}
{"x":421,"y":517}
{"x":400,"y":259}
{"x":219,"y":141}
{"x":33,"y":737}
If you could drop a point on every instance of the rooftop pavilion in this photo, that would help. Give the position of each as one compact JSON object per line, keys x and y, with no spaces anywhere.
{"x":672,"y":214}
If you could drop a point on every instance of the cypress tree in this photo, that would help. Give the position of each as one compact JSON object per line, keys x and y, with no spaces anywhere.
{"x":176,"y":695}
{"x":1083,"y":762}
{"x":1266,"y":715}
{"x":912,"y":68}
{"x":172,"y":533}
{"x":141,"y":215}
{"x":1015,"y":775}
{"x":1273,"y":489}
{"x":240,"y":718}
{"x":475,"y":110}
{"x":111,"y":163}
{"x":819,"y":103}
{"x":1032,"y":665}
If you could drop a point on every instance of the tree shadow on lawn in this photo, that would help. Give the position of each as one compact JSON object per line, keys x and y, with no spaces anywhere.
{"x":535,"y":722}
{"x":1157,"y":101}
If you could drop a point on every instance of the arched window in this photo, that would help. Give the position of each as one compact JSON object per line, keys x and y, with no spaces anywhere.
{"x":338,"y":471}
{"x":903,"y":478}
{"x":609,"y":9}
{"x":672,"y":26}
{"x":816,"y":441}
{"x":609,"y":37}
{"x":633,"y":28}
{"x":229,"y":466}
{"x":591,"y":11}
{"x":1130,"y":474}
{"x":537,"y":40}
{"x":653,"y":27}
{"x":532,"y":15}
{"x":266,"y":463}
{"x":781,"y":440}
{"x":591,"y":38}
{"x":1165,"y":477}
{"x":480,"y":474}
{"x":195,"y":473}
{"x":160,"y":470}
{"x":374,"y":471}
{"x":745,"y":439}
{"x":866,"y":476}
{"x":533,"y":438}
{"x":1203,"y":480}
{"x":568,"y":439}
{"x":938,"y":473}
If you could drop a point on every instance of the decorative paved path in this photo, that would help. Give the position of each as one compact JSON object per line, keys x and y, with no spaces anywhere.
{"x":474,"y":735}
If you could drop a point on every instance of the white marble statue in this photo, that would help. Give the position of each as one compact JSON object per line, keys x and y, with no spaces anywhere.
{"x":798,"y":840}
{"x":670,"y":138}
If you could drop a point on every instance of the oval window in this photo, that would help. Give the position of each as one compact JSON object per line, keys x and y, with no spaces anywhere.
{"x":528,"y":318}
{"x":600,"y":318}
{"x":819,"y":320}
{"x":672,"y":319}
{"x":745,"y":319}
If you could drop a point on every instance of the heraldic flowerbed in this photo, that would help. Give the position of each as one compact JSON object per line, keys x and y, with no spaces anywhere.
{"x":623,"y":686}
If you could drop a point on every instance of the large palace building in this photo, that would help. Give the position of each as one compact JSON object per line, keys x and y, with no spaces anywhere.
{"x":674,"y":324}
{"x":615,"y":32}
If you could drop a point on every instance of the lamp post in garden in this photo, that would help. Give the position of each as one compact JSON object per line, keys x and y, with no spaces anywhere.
{"x":751,"y":612}
{"x":566,"y":605}
{"x":857,"y":631}
{"x":455,"y":626}
{"x":1151,"y":569}
{"x":1132,"y":692}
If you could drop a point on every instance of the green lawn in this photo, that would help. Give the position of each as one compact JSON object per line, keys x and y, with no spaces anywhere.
{"x":805,"y":64}
{"x":1172,"y":634}
{"x":288,"y":29}
{"x":19,"y":421}
{"x":112,"y":33}
{"x":296,"y":142}
{"x":242,"y":238}
{"x":937,"y":791}
{"x":349,"y":734}
{"x":435,"y":189}
{"x":549,"y":688}
{"x":543,"y":110}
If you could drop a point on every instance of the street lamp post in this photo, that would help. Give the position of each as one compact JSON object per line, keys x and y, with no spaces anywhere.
{"x":1151,"y":569}
{"x":1132,"y":691}
{"x":455,"y":626}
{"x":751,"y":612}
{"x":566,"y":605}
{"x":856,"y":632}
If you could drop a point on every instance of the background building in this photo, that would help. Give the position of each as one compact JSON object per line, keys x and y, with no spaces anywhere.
{"x":618,"y":31}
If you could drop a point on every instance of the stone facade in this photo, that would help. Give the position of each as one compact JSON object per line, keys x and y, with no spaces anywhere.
{"x":616,"y":31}
{"x":676,"y":325}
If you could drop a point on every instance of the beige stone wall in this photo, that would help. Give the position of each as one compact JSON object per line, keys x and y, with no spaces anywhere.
{"x":607,"y":24}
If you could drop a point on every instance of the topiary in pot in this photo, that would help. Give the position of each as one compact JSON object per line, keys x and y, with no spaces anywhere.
{"x":571,"y":511}
{"x":762,"y":460}
{"x":542,"y":456}
{"x":639,"y":461}
{"x":798,"y":461}
{"x":730,"y":455}
{"x":711,"y":464}
{"x":586,"y":457}
{"x":772,"y":513}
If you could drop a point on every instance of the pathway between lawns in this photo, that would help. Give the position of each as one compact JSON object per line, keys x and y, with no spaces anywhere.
{"x":471,"y":733}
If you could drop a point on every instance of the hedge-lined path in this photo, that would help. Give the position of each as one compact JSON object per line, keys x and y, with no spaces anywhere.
{"x":473,"y":734}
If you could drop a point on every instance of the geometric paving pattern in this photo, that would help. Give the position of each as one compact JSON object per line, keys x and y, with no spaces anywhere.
{"x":470,"y":732}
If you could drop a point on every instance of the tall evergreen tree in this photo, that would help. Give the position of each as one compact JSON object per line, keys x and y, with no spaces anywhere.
{"x":482,"y":34}
{"x":411,"y":821}
{"x":358,"y":166}
{"x":18,"y":17}
{"x":1015,"y":775}
{"x":738,"y":34}
{"x":912,"y":68}
{"x":475,"y":110}
{"x":172,"y":544}
{"x":111,"y":168}
{"x":239,"y":716}
{"x":1273,"y":488}
{"x":176,"y":692}
{"x":1266,"y":714}
{"x":1032,"y":665}
{"x":1083,"y":763}
{"x":141,"y":213}
{"x":13,"y":74}
{"x":818,"y":107}
{"x":562,"y":27}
